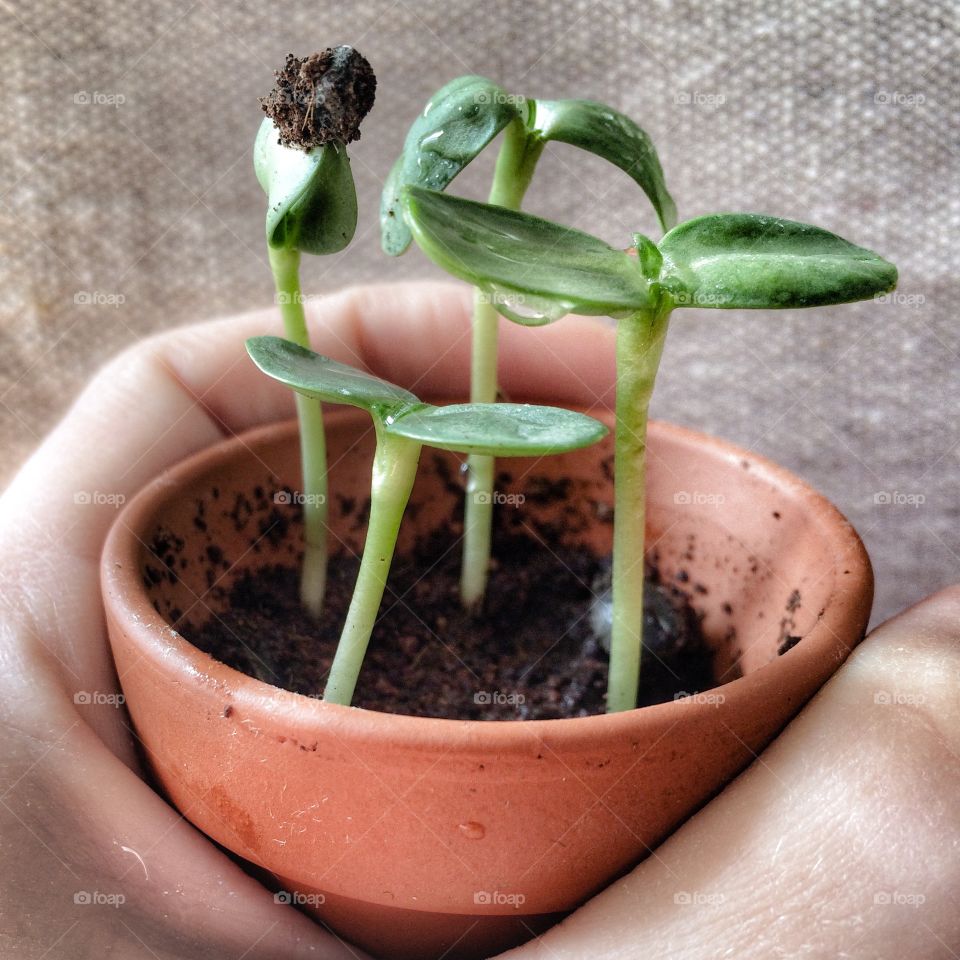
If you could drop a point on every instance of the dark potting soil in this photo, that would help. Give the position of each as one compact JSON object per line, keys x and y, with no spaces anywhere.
{"x":320,"y":98}
{"x":530,"y":654}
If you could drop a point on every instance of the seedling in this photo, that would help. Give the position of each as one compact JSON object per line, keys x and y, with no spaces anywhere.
{"x":722,"y":261}
{"x":404,"y":424}
{"x":458,"y":122}
{"x":300,"y":158}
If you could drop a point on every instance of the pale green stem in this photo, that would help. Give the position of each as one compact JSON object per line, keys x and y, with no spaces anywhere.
{"x":313,"y":442}
{"x":394,"y":470}
{"x":639,"y":347}
{"x":514,"y":170}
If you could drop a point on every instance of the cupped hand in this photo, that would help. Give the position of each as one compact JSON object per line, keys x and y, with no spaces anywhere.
{"x":839,"y":841}
{"x":94,"y":863}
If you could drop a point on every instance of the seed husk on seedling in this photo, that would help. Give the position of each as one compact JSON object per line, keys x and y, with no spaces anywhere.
{"x":300,"y":158}
{"x":457,"y":124}
{"x":722,"y":261}
{"x":404,"y":424}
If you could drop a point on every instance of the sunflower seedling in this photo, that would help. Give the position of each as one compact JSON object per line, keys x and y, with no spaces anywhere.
{"x":456,"y":125}
{"x":722,"y":261}
{"x":300,"y":159}
{"x":404,"y":424}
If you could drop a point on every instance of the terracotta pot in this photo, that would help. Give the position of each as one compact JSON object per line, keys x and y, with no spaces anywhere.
{"x":418,"y":837}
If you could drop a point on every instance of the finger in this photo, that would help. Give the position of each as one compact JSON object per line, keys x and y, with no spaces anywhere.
{"x":154,"y":405}
{"x":97,"y":865}
{"x":840,"y":840}
{"x":415,"y":334}
{"x":182,"y":391}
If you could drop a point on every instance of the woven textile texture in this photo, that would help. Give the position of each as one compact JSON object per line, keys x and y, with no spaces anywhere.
{"x":129,"y":203}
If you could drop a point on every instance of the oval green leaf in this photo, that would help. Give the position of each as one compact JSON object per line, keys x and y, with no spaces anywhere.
{"x":460,"y":119}
{"x":317,"y":376}
{"x":534,"y":271}
{"x":747,"y":261}
{"x":606,"y":132}
{"x":498,"y":429}
{"x":311,"y":197}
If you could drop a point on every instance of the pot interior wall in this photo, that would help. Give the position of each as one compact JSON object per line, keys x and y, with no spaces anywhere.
{"x":716,"y":533}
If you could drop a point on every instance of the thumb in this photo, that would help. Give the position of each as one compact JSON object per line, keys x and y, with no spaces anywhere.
{"x":840,"y":840}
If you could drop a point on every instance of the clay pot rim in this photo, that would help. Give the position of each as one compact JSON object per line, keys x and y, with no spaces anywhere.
{"x":123,"y":592}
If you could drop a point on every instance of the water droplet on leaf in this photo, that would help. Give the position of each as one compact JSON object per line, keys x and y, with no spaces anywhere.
{"x":527,"y":309}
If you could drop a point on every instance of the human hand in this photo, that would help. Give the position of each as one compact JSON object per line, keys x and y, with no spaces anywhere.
{"x":77,"y":822}
{"x":840,"y":840}
{"x":853,"y":802}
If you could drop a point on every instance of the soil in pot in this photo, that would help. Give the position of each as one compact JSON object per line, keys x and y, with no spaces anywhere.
{"x":533,"y":653}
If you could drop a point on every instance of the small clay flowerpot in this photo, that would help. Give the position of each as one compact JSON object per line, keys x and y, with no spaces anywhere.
{"x":416,"y":837}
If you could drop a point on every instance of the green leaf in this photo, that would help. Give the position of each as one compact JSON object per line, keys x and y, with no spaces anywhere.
{"x":746,"y":260}
{"x":606,"y":132}
{"x":311,"y":199}
{"x":317,"y":376}
{"x":533,"y":270}
{"x":457,"y":123}
{"x":498,"y":429}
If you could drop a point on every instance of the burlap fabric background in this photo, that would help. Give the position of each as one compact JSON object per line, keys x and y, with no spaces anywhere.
{"x":129,"y":203}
